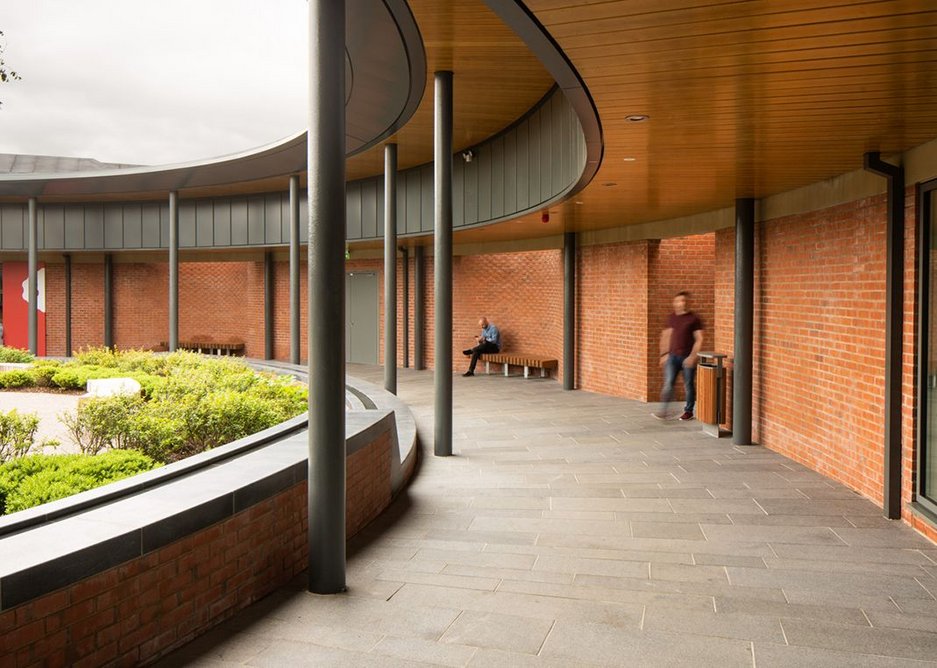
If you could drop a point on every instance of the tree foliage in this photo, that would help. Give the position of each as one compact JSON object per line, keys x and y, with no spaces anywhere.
{"x":6,"y":74}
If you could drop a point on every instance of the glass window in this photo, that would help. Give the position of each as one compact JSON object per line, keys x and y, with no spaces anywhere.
{"x":927,"y":452}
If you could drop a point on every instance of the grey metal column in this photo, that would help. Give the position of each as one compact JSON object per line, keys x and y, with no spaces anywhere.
{"x":744,"y":330}
{"x":419,"y":306}
{"x":390,"y":268}
{"x":894,"y":329}
{"x":569,"y":311}
{"x":326,"y":318}
{"x":294,"y":269}
{"x":32,"y":281}
{"x":173,"y":270}
{"x":68,"y":304}
{"x":268,"y":305}
{"x":109,"y":300}
{"x":442,"y":265}
{"x":405,"y":325}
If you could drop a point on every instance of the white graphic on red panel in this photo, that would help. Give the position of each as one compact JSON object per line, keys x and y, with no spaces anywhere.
{"x":41,"y":285}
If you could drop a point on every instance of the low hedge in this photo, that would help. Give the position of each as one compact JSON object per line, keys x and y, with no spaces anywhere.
{"x":18,"y":355}
{"x":188,"y":403}
{"x":37,"y":479}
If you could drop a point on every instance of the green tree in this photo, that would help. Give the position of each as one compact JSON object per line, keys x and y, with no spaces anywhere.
{"x":6,"y":74}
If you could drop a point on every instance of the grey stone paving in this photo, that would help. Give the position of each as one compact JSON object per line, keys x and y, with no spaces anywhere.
{"x":575,"y":529}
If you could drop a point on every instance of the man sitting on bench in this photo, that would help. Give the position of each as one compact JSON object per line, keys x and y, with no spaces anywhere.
{"x":488,"y":342}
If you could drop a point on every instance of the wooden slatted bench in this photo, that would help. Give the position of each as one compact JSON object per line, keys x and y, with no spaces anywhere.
{"x":210,"y":347}
{"x":518,"y":359}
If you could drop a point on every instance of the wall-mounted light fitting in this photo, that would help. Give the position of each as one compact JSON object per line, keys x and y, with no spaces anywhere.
{"x":468,"y":155}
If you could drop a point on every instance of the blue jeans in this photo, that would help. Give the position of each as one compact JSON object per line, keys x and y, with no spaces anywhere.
{"x":671,"y":368}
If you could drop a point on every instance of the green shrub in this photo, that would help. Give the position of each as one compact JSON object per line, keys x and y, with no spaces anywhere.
{"x":17,"y":434}
{"x":101,"y":423}
{"x":157,"y":432}
{"x":189,"y":403}
{"x":102,"y":356}
{"x":43,"y":371}
{"x":71,"y":377}
{"x":15,"y":378}
{"x":15,"y":355}
{"x":37,"y":479}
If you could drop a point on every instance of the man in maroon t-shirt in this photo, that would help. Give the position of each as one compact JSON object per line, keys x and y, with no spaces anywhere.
{"x":680,"y":343}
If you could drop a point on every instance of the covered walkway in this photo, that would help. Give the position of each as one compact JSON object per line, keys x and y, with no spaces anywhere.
{"x":574,"y":529}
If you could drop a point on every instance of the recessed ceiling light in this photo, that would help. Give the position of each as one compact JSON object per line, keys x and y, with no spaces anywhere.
{"x":629,"y":159}
{"x":578,"y":201}
{"x":636,"y":118}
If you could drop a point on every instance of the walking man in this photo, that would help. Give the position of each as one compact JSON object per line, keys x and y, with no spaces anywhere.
{"x":488,"y":342}
{"x":680,"y":344}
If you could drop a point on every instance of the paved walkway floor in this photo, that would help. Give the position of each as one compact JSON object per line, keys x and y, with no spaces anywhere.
{"x":574,"y":529}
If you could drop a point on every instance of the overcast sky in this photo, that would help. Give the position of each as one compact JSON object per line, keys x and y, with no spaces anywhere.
{"x":151,"y":81}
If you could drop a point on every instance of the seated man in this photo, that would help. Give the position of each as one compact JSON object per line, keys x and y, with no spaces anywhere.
{"x":488,"y":342}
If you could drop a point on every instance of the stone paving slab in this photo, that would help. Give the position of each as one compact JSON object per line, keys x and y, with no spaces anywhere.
{"x":574,"y":529}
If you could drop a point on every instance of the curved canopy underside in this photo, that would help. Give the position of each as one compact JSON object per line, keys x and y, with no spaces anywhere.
{"x":386,"y":78}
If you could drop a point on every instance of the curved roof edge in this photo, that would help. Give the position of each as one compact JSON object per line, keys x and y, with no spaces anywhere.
{"x":386,"y":44}
{"x":539,"y":41}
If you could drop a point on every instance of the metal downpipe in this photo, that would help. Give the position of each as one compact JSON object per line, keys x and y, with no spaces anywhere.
{"x":894,"y":329}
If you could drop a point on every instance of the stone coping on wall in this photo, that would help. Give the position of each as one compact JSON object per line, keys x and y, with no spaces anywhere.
{"x":86,"y":534}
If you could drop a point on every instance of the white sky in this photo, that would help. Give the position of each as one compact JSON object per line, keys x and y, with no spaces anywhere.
{"x":151,"y":81}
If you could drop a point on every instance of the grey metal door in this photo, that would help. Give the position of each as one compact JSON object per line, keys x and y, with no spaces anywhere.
{"x":361,"y":332}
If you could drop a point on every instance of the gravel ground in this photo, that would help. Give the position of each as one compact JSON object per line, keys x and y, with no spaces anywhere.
{"x":47,"y":406}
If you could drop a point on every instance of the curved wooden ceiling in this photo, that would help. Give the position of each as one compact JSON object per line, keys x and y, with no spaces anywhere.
{"x":744,"y":98}
{"x":496,"y":80}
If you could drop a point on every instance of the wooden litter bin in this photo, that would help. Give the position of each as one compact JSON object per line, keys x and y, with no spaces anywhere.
{"x":711,"y":392}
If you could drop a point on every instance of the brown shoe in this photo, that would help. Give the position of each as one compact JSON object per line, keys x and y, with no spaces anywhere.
{"x":687,"y":416}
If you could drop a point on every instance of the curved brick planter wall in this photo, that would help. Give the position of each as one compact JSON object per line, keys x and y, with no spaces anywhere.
{"x":130,"y":579}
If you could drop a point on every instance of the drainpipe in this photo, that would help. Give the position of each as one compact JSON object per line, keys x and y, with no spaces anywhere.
{"x":894,"y":305}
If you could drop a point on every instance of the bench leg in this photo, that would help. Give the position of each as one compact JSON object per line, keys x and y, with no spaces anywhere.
{"x":526,"y":371}
{"x":505,"y":369}
{"x":543,"y":372}
{"x":487,"y":367}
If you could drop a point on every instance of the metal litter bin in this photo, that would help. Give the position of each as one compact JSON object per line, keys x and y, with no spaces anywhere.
{"x":711,"y":392}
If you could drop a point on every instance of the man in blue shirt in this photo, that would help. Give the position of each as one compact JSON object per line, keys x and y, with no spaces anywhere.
{"x":488,"y":342}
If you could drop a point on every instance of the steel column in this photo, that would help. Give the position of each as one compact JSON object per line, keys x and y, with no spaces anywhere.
{"x":326,"y":281}
{"x":405,"y":325}
{"x":32,"y":281}
{"x":390,"y":268}
{"x":744,"y":321}
{"x":173,"y":271}
{"x":419,"y":306}
{"x":442,"y":264}
{"x":894,"y":305}
{"x":569,"y":311}
{"x":268,"y":305}
{"x":68,"y":304}
{"x":108,"y":300}
{"x":294,"y":269}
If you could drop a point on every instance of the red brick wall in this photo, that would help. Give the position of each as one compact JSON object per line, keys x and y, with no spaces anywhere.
{"x":223,"y":300}
{"x":141,"y":303}
{"x":521,"y":293}
{"x":820,"y":340}
{"x":55,"y":309}
{"x":87,"y":307}
{"x":612,"y":312}
{"x":681,"y":264}
{"x":146,"y":607}
{"x":624,"y":293}
{"x":724,"y":305}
